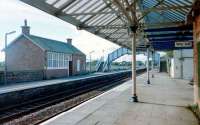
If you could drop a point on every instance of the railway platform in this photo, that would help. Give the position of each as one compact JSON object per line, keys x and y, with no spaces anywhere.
{"x":35,"y":84}
{"x":163,"y":102}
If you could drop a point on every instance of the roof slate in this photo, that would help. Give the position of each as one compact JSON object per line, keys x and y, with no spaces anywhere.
{"x":54,"y":45}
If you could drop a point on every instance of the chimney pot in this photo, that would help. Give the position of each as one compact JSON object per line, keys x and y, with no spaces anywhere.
{"x":69,"y":41}
{"x":25,"y":22}
{"x":25,"y":28}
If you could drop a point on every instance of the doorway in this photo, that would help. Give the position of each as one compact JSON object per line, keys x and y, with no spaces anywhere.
{"x":70,"y":68}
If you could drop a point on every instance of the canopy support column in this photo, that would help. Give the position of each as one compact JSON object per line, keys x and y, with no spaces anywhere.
{"x":134,"y":93}
{"x":152,"y":65}
{"x":134,"y":27}
{"x":148,"y":81}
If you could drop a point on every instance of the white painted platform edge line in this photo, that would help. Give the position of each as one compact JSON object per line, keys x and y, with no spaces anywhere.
{"x":79,"y":106}
{"x":82,"y":104}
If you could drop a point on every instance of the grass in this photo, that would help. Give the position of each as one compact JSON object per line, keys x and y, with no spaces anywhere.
{"x":195,"y":109}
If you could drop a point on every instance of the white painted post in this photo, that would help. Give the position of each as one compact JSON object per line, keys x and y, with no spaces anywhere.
{"x":152,"y":65}
{"x":135,"y":99}
{"x":5,"y":67}
{"x":148,"y":81}
{"x":134,"y":30}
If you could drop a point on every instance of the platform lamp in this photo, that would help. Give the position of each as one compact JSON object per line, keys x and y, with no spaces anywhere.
{"x":5,"y":69}
{"x":91,"y":59}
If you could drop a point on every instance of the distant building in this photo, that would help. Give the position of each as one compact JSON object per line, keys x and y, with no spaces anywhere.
{"x":54,"y":58}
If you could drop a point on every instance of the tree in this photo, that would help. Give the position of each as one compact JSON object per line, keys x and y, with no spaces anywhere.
{"x":170,"y":54}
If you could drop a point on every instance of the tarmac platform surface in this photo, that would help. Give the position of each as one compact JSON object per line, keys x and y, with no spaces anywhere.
{"x":35,"y":84}
{"x":163,"y":102}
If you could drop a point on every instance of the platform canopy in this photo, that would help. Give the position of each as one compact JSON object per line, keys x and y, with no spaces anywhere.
{"x":161,"y":23}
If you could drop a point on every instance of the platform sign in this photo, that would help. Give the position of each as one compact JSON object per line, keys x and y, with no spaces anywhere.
{"x":172,"y":45}
{"x":183,"y":44}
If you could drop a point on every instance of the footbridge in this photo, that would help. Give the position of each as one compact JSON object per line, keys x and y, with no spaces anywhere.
{"x":105,"y":65}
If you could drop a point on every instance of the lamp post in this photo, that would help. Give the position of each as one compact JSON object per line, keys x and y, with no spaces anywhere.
{"x":5,"y":69}
{"x":152,"y":64}
{"x":103,"y":54}
{"x":91,"y":59}
{"x":148,"y":81}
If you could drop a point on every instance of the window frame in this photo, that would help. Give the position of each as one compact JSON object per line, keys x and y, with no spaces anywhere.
{"x":78,"y":65}
{"x":57,"y":60}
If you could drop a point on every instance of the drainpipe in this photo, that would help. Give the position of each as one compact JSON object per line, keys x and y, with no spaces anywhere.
{"x":45,"y":65}
{"x":181,"y":59}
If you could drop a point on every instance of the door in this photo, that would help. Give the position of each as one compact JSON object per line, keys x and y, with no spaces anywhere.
{"x":70,"y":68}
{"x":163,"y":66}
{"x":188,"y":68}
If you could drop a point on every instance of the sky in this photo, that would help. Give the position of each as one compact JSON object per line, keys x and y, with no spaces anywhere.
{"x":13,"y":13}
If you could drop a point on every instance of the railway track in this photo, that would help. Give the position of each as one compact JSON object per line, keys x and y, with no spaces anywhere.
{"x":16,"y":111}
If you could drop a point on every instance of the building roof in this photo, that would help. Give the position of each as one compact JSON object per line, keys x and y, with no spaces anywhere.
{"x":50,"y":45}
{"x":54,"y":45}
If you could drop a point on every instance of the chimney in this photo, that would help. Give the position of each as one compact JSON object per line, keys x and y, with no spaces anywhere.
{"x":69,"y":41}
{"x":25,"y":28}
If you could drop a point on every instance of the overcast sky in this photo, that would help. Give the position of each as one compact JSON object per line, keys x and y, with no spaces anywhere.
{"x":13,"y":13}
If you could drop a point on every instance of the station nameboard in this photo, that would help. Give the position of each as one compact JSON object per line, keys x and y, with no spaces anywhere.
{"x":183,"y":44}
{"x":170,"y":45}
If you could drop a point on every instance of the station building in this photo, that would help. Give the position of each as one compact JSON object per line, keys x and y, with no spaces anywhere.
{"x":32,"y":57}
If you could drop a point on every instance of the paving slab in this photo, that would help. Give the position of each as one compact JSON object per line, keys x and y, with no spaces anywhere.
{"x":163,"y":102}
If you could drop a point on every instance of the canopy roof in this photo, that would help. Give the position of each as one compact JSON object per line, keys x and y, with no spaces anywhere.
{"x":160,"y":22}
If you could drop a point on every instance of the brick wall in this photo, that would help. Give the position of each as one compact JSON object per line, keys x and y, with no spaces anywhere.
{"x":82,"y":59}
{"x":22,"y":76}
{"x":196,"y":33}
{"x":56,"y":73}
{"x":24,"y":55}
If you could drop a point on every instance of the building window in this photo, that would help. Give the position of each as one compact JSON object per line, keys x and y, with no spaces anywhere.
{"x":49,"y":60}
{"x":57,"y":60}
{"x":78,"y":65}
